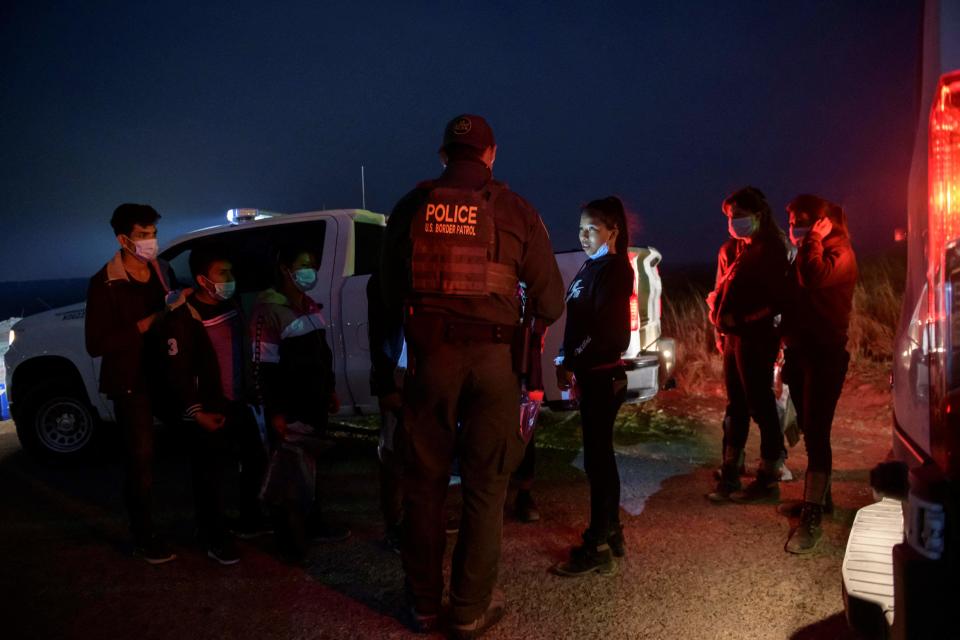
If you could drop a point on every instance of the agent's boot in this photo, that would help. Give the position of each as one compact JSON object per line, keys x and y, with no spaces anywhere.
{"x":729,"y":481}
{"x":764,"y":488}
{"x":804,"y":538}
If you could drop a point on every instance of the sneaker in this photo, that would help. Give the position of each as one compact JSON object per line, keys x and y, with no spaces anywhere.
{"x":524,"y":508}
{"x":761,"y":489}
{"x":588,"y":558}
{"x":250,"y":527}
{"x":327,"y":533}
{"x":224,"y":552}
{"x":153,"y":550}
{"x":483,"y":623}
{"x":453,"y":523}
{"x":424,"y":623}
{"x":617,"y":543}
{"x":804,"y":538}
{"x":722,"y":491}
{"x":393,"y":538}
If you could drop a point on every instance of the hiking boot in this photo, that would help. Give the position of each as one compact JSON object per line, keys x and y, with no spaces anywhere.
{"x":761,"y":489}
{"x":479,"y":626}
{"x":224,"y":552}
{"x":154,"y":550}
{"x":764,"y":488}
{"x":589,"y":557}
{"x":617,"y":543}
{"x":723,"y":491}
{"x":804,"y":538}
{"x":524,"y":508}
{"x":793,"y":508}
{"x":729,"y":476}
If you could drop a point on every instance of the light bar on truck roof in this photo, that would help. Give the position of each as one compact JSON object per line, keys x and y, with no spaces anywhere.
{"x":236,"y":216}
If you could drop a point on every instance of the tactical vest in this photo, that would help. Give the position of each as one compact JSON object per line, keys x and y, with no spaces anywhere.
{"x":454,"y":245}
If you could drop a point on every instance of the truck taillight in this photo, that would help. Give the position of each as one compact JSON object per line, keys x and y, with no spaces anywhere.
{"x":943,"y":211}
{"x":944,"y":165}
{"x":634,"y":298}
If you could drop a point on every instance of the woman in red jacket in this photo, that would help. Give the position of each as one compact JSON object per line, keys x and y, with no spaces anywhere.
{"x":815,"y":333}
{"x":751,"y":273}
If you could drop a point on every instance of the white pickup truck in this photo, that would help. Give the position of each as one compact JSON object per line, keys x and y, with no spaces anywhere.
{"x":52,"y":381}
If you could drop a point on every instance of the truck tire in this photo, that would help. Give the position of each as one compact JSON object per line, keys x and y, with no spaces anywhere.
{"x":55,"y":422}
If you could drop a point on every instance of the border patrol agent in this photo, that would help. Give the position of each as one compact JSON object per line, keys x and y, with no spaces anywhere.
{"x":455,"y":249}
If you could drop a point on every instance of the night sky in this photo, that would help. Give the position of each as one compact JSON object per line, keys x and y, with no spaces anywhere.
{"x":197,"y":108}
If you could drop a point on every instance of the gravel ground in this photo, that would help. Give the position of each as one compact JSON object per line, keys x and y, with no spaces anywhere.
{"x":693,"y":570}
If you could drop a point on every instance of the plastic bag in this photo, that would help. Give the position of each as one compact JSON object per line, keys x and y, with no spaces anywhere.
{"x":291,"y":481}
{"x":529,"y":411}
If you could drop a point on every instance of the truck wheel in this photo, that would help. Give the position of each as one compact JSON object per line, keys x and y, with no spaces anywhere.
{"x":55,"y":422}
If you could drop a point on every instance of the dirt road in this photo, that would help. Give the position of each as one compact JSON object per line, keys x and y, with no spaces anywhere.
{"x":693,"y":570}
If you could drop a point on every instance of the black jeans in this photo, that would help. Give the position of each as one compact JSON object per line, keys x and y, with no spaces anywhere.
{"x":748,"y":375}
{"x":212,"y":453}
{"x":815,"y":375}
{"x":134,"y":415}
{"x":601,"y":394}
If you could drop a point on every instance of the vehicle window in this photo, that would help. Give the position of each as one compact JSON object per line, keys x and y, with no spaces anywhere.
{"x":368,"y":241}
{"x":253,"y":251}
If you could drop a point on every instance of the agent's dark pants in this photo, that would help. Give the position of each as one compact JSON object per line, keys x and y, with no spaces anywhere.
{"x":135,"y":418}
{"x":524,"y":475}
{"x":391,"y":476}
{"x":748,"y":375}
{"x":212,"y":453}
{"x":815,"y":375}
{"x":474,"y":382}
{"x":601,"y":395}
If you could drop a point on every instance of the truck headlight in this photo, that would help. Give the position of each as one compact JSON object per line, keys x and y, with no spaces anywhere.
{"x":11,"y":337}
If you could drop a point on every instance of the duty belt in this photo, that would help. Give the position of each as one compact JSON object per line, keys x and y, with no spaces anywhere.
{"x":479,"y":332}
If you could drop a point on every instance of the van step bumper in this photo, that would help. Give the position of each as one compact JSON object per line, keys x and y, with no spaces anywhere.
{"x":868,"y":561}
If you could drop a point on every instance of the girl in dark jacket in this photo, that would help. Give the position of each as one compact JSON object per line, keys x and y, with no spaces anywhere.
{"x":597,"y":332}
{"x":815,"y":333}
{"x":751,"y":274}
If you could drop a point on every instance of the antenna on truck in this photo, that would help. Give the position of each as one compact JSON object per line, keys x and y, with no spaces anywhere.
{"x":363,"y":188}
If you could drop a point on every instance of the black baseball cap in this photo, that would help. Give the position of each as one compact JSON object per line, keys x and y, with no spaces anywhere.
{"x":470,"y":130}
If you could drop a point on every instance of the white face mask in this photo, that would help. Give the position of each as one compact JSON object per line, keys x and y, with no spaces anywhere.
{"x":147,"y":249}
{"x":742,"y":228}
{"x":222,"y":291}
{"x":304,"y":278}
{"x":602,"y":251}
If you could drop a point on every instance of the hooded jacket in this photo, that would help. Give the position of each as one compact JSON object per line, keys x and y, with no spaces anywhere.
{"x":293,"y":364}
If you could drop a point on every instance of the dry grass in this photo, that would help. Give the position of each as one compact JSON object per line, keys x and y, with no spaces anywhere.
{"x":876,"y":310}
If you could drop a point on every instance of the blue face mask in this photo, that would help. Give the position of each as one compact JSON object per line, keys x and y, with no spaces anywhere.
{"x":602,"y":251}
{"x":799,"y":233}
{"x":304,"y":278}
{"x":742,"y":227}
{"x":223,"y":291}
